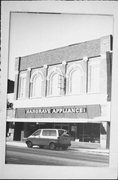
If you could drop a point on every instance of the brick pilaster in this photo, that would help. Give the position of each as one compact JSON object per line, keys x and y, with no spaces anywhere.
{"x":63,"y":69}
{"x":17,"y":69}
{"x":28,"y":83}
{"x":109,"y":74}
{"x":44,"y":86}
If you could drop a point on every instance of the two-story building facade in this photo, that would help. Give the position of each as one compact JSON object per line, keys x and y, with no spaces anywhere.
{"x":67,"y":87}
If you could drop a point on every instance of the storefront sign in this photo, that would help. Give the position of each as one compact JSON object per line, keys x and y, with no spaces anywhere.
{"x":85,"y":111}
{"x":55,"y":110}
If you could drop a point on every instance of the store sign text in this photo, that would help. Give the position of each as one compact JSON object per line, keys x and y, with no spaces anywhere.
{"x":56,"y":110}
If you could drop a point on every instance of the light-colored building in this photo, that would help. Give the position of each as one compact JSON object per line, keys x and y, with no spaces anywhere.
{"x":67,"y":87}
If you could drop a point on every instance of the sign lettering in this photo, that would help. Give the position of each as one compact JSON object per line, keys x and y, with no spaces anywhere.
{"x":56,"y":110}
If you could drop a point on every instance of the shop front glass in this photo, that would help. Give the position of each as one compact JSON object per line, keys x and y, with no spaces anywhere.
{"x":88,"y":132}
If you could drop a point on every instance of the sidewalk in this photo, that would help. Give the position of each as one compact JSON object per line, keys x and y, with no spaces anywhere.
{"x":77,"y":146}
{"x":89,"y":147}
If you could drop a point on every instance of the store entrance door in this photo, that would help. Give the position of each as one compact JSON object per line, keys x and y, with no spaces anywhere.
{"x":17,"y":131}
{"x":89,"y":132}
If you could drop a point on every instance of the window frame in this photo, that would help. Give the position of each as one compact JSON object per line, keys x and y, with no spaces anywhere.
{"x":51,"y":73}
{"x":92,"y":62}
{"x":70,"y":70}
{"x":37,"y":133}
{"x":22,"y":92}
{"x":37,"y":73}
{"x":48,"y":133}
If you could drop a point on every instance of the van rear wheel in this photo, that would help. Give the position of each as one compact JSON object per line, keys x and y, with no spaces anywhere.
{"x":29,"y":144}
{"x":52,"y":146}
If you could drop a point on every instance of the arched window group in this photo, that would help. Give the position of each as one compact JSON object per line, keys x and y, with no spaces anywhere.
{"x":75,"y":81}
{"x":56,"y":83}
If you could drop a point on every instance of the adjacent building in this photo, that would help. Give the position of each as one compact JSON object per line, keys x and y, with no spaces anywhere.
{"x":10,"y":110}
{"x":67,"y":87}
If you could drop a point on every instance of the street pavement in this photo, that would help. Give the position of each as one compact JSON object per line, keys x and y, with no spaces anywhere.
{"x":43,"y":156}
{"x":93,"y":148}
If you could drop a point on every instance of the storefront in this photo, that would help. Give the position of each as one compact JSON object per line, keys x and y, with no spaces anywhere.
{"x":79,"y":121}
{"x":67,"y":87}
{"x":81,"y":132}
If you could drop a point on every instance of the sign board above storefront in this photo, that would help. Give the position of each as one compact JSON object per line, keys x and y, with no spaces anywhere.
{"x":81,"y":111}
{"x":56,"y":110}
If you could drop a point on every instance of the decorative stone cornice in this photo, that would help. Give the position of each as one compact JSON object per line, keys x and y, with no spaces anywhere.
{"x":45,"y":66}
{"x":64,"y":62}
{"x":85,"y":58}
{"x":29,"y":69}
{"x":103,"y":56}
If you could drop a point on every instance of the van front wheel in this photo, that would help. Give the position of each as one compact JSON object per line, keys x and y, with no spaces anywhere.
{"x":52,"y":146}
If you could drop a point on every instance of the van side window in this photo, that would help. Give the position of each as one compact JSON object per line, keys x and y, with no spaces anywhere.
{"x":49,"y":133}
{"x":37,"y":133}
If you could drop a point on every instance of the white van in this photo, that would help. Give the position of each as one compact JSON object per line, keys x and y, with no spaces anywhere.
{"x":49,"y":137}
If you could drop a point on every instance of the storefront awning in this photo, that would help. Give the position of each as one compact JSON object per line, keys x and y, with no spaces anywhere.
{"x":60,"y":120}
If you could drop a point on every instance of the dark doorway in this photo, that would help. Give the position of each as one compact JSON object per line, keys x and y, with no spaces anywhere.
{"x":89,"y":132}
{"x":17,"y":130}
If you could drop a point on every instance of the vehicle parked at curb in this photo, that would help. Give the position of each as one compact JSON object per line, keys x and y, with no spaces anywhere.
{"x":49,"y":137}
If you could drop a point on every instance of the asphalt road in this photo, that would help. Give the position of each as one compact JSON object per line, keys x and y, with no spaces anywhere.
{"x":70,"y":157}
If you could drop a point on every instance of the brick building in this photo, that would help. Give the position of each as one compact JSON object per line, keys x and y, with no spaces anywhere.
{"x":67,"y":87}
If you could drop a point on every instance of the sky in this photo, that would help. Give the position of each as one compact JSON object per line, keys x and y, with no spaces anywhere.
{"x":33,"y":33}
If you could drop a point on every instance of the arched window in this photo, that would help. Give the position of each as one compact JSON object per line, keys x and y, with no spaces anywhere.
{"x":36,"y":85}
{"x":94,"y":75}
{"x":22,"y":85}
{"x":75,"y":80}
{"x":55,"y":82}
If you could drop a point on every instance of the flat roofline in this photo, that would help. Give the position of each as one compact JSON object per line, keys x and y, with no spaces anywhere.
{"x":75,"y":44}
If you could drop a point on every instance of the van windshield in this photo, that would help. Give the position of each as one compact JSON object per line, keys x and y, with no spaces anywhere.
{"x":36,"y":133}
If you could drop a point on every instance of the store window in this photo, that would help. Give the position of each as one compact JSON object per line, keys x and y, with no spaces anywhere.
{"x":75,"y":80}
{"x":55,"y":82}
{"x":88,"y":132}
{"x":94,"y":75}
{"x":22,"y":85}
{"x":36,"y":84}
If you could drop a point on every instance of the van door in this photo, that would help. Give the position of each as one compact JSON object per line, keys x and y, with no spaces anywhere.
{"x":36,"y":137}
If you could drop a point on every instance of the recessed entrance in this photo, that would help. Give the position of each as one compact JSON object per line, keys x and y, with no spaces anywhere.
{"x":88,"y":132}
